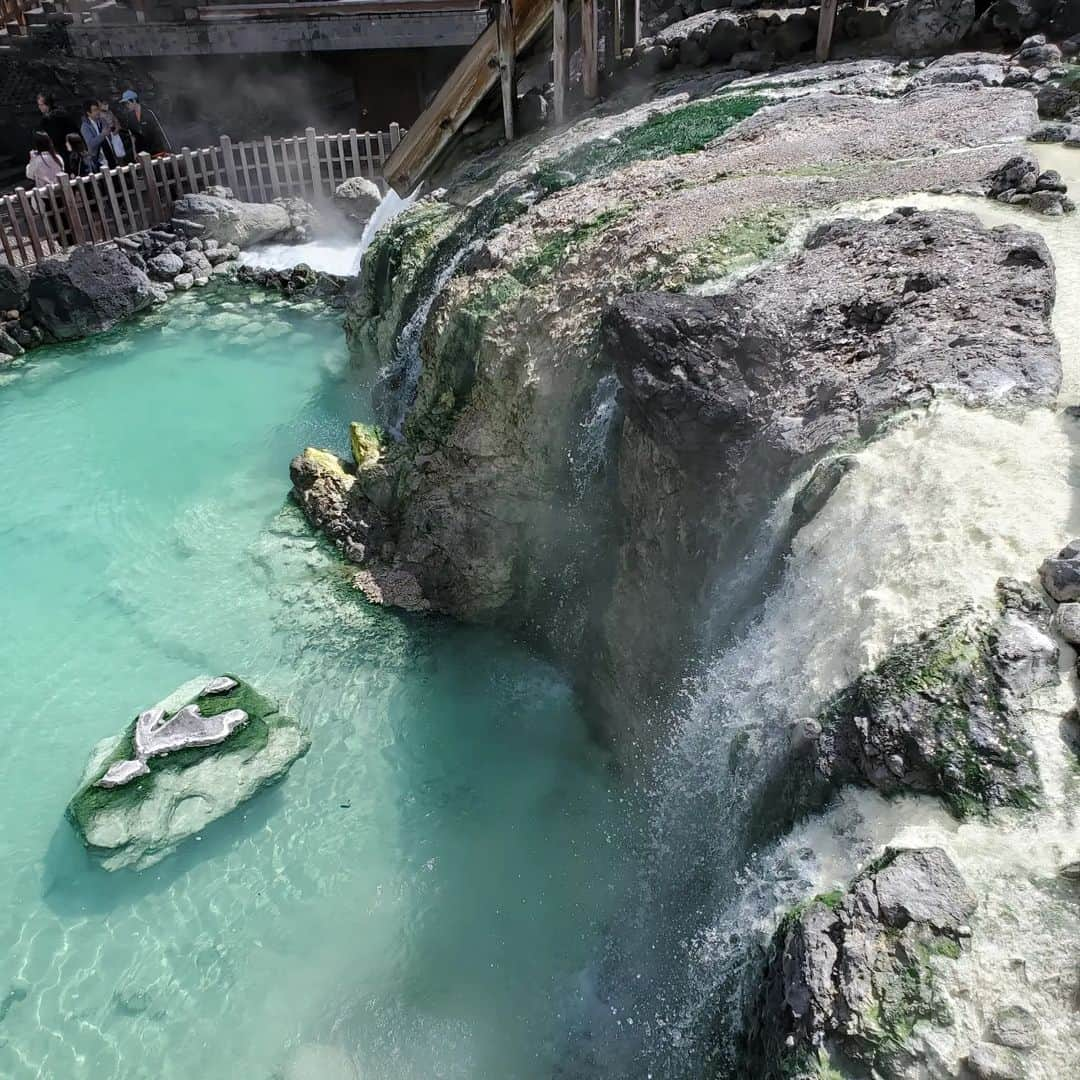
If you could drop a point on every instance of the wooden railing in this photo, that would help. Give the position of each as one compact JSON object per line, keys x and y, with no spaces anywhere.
{"x":117,"y":202}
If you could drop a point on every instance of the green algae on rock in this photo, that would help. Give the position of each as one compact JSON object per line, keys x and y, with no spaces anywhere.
{"x":138,"y":821}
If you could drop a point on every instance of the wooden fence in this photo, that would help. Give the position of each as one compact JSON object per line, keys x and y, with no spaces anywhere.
{"x":117,"y":202}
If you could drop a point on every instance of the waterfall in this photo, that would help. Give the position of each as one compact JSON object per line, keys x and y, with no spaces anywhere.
{"x":590,"y":451}
{"x":928,"y":518}
{"x":392,"y":204}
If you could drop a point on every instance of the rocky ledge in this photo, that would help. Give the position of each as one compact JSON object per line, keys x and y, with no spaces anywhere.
{"x":943,"y":715}
{"x":208,"y":747}
{"x":850,"y":973}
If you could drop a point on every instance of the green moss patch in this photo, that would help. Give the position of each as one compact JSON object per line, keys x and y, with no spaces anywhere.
{"x":681,"y":131}
{"x":546,"y":260}
{"x":263,"y":716}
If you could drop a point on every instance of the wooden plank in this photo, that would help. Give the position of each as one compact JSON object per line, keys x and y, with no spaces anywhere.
{"x":313,"y":159}
{"x":344,"y":168}
{"x":124,"y":181}
{"x":189,"y":169}
{"x":92,"y":180}
{"x":826,"y":22}
{"x":157,"y":213}
{"x":590,"y":49}
{"x":631,"y":33}
{"x":230,"y":165}
{"x":395,"y":134}
{"x":5,"y":243}
{"x":143,"y":209}
{"x":354,"y":150}
{"x":271,"y":162}
{"x":55,"y":219}
{"x":614,"y":24}
{"x":71,"y":207}
{"x":310,"y":8}
{"x":289,"y":167}
{"x":560,"y":56}
{"x":369,"y":157}
{"x":466,"y":87}
{"x":24,"y":256}
{"x":110,"y":190}
{"x":507,"y":56}
{"x":31,"y":224}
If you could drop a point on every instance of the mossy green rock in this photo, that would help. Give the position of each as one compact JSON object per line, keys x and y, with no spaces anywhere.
{"x":141,"y":822}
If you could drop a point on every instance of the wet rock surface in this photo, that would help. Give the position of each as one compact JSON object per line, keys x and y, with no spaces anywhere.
{"x":944,"y":714}
{"x":209,"y":747}
{"x":87,"y":291}
{"x":229,"y":221}
{"x":850,"y":973}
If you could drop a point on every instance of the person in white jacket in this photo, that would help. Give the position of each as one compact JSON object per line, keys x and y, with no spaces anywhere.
{"x":45,"y":164}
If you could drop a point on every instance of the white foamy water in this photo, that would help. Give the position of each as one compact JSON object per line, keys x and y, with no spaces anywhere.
{"x":391,"y":205}
{"x":933,"y":513}
{"x":330,"y":258}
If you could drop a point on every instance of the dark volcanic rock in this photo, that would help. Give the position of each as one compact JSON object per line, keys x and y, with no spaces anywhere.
{"x":928,"y":26}
{"x":849,"y":974}
{"x":941,"y":715}
{"x":14,"y":288}
{"x":870,"y":317}
{"x":87,"y":291}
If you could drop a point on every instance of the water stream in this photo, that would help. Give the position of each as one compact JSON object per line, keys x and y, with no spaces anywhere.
{"x":418,"y":896}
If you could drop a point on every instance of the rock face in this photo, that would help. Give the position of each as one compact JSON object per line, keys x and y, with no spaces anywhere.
{"x":191,"y":759}
{"x":850,"y":973}
{"x":943,"y":715}
{"x":229,"y":221}
{"x":928,"y":26}
{"x":88,"y":291}
{"x":14,"y":288}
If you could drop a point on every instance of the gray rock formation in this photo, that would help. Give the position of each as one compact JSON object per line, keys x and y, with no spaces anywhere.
{"x":357,"y":199}
{"x":89,"y":290}
{"x":14,"y":288}
{"x":189,"y":760}
{"x":1061,"y":574}
{"x":166,"y":266}
{"x":929,"y":26}
{"x":229,"y":221}
{"x":943,"y":715}
{"x":850,"y":973}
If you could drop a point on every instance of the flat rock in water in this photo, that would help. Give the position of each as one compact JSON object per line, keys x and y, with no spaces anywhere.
{"x":189,"y":760}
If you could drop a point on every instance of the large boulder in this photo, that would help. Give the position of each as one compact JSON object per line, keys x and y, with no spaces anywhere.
{"x":229,"y":221}
{"x":851,"y":973}
{"x":208,"y":747}
{"x":14,"y":288}
{"x":87,"y":291}
{"x":932,"y":26}
{"x":357,"y":199}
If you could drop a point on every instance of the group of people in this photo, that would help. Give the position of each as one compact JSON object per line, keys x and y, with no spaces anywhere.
{"x":100,"y":138}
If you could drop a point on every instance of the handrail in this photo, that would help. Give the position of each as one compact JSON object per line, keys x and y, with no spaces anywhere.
{"x":131,"y":198}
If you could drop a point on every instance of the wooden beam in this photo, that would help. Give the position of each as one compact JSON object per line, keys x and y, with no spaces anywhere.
{"x":507,"y":62}
{"x":826,"y":22}
{"x":590,"y":50}
{"x":631,"y":23}
{"x":613,"y":27}
{"x":560,"y":57}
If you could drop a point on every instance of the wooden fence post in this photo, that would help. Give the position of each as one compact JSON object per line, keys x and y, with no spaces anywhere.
{"x":507,"y":65}
{"x":614,"y":35}
{"x":272,"y":165}
{"x":631,"y":34}
{"x":560,"y":56}
{"x":156,"y":211}
{"x":395,"y":135}
{"x":590,"y":72}
{"x":31,"y":225}
{"x":230,"y":165}
{"x":313,"y":158}
{"x":67,"y":195}
{"x":826,"y":22}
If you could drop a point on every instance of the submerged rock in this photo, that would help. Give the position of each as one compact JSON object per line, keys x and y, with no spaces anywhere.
{"x":89,"y":290}
{"x":849,"y":974}
{"x":942,"y":715}
{"x":191,"y":759}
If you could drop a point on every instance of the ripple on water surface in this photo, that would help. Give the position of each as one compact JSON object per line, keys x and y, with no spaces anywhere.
{"x":416,"y":896}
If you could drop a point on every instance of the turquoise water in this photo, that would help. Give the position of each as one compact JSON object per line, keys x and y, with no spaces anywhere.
{"x":422,"y":894}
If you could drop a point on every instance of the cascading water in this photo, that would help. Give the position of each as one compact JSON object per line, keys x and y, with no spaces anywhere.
{"x":392,"y":204}
{"x":590,"y":451}
{"x":932,"y":514}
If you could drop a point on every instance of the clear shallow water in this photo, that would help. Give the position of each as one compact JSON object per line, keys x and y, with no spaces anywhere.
{"x":418,"y":896}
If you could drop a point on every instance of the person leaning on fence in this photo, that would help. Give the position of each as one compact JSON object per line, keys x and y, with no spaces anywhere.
{"x":116,"y":148}
{"x":79,"y":161}
{"x":142,"y":122}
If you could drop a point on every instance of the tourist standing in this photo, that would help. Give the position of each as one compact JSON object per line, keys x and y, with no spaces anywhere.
{"x":92,"y":135}
{"x":142,"y":122}
{"x":45,"y":164}
{"x":56,"y":123}
{"x":115,"y":148}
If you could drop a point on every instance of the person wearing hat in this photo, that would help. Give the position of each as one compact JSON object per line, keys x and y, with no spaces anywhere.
{"x":142,"y":122}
